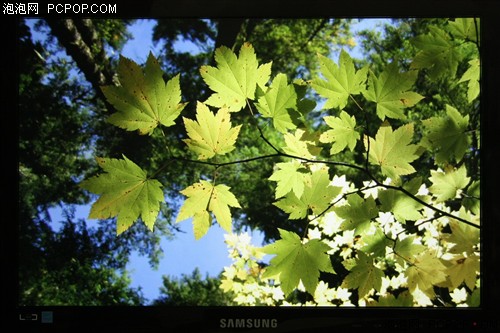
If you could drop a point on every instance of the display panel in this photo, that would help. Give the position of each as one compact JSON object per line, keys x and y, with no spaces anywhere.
{"x":366,"y":149}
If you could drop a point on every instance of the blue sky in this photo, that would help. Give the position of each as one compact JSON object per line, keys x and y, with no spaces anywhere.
{"x":182,"y":254}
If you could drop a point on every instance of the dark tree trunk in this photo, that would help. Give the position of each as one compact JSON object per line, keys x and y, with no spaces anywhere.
{"x":82,"y":43}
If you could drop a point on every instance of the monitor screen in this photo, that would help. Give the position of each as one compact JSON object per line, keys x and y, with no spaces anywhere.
{"x":207,"y":167}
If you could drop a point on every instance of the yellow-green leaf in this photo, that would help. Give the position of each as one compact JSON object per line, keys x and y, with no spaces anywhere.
{"x":143,"y":100}
{"x":391,"y":91}
{"x":463,"y":269}
{"x":342,"y":134}
{"x":235,"y":78}
{"x":401,"y":205}
{"x":296,"y":261}
{"x":278,"y":103}
{"x":340,"y":81}
{"x":364,"y":275}
{"x":446,"y":136}
{"x":438,"y":54}
{"x":465,"y":28}
{"x":203,"y":197}
{"x":446,"y":185}
{"x":393,"y":150}
{"x":358,"y":213}
{"x":317,"y":196}
{"x":126,"y":192}
{"x":426,"y":272}
{"x":472,"y":75}
{"x":290,"y":176}
{"x":299,"y":144}
{"x":211,"y":134}
{"x":464,"y":238}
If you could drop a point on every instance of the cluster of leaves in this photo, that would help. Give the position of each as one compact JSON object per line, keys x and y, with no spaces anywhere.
{"x":398,"y":238}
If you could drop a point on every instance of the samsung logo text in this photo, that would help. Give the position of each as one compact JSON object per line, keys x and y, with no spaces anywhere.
{"x":248,"y":323}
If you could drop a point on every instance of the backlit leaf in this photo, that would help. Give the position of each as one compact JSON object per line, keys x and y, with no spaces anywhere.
{"x":317,"y":196}
{"x":393,"y":150}
{"x":364,"y":276}
{"x":426,"y":272}
{"x":235,"y":78}
{"x":343,"y":133}
{"x":298,"y":144}
{"x":143,"y":100}
{"x":446,"y":136}
{"x":296,"y":261}
{"x":358,"y":213}
{"x":202,"y":198}
{"x":290,"y":176}
{"x":375,"y":243}
{"x":438,"y":54}
{"x":463,"y":269}
{"x":464,"y":238}
{"x":465,"y":28}
{"x":292,"y":205}
{"x":400,"y":204}
{"x":340,"y":81}
{"x":391,"y":91}
{"x":408,"y":249}
{"x":446,"y":185}
{"x":472,"y":201}
{"x":211,"y":134}
{"x":472,"y":75}
{"x":278,"y":103}
{"x":125,"y":192}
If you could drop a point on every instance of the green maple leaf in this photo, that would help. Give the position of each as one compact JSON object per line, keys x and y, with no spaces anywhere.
{"x":403,"y":300}
{"x":290,"y":176}
{"x":363,"y":275}
{"x":278,"y":103}
{"x":375,"y":243}
{"x":446,"y":185}
{"x":391,"y":92}
{"x":143,"y":100}
{"x":341,"y":81}
{"x":317,"y":196}
{"x":465,"y":238}
{"x":203,"y":197}
{"x":401,"y":205}
{"x":319,"y":193}
{"x":426,"y":272}
{"x":235,"y":79}
{"x":463,"y":269}
{"x":408,"y":249}
{"x":465,"y":28}
{"x":438,"y":54}
{"x":296,"y":261}
{"x":474,"y":299}
{"x":343,"y":133}
{"x":298,"y":144}
{"x":211,"y":134}
{"x":472,"y":75}
{"x":358,"y":213}
{"x":292,"y":205}
{"x":126,"y":192}
{"x":446,"y":136}
{"x":393,"y":151}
